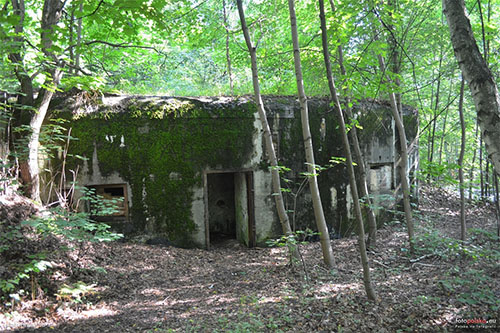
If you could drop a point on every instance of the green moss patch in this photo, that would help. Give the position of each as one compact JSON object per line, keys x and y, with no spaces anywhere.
{"x":161,"y":148}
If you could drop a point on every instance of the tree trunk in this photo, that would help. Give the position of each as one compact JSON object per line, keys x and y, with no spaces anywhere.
{"x":403,"y":166}
{"x":78,"y":39}
{"x":436,"y":109}
{"x":487,"y":179}
{"x":441,"y":140}
{"x":353,"y":133}
{"x":395,"y":62}
{"x":479,"y":77}
{"x":497,"y":206}
{"x":350,"y":169}
{"x":228,"y":56}
{"x":16,"y":57}
{"x":51,"y":14}
{"x":33,"y":175}
{"x":471,"y":171}
{"x":481,"y":173}
{"x":461,"y":162}
{"x":71,"y":49}
{"x":306,"y":132}
{"x":278,"y":195}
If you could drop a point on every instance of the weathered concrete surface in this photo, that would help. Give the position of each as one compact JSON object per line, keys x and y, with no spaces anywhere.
{"x":172,"y":122}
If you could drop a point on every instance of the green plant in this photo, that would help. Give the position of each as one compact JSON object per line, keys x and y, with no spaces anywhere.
{"x":75,"y":292}
{"x":423,"y":299}
{"x":78,"y":226}
{"x":442,"y":172}
{"x":292,"y":242}
{"x":58,"y":221}
{"x":431,"y":242}
{"x":72,"y":226}
{"x":9,"y":234}
{"x":469,"y":288}
{"x":30,"y":270}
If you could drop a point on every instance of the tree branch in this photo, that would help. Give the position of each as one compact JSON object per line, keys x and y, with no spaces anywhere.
{"x":189,"y":11}
{"x":95,"y":11}
{"x":119,"y":45}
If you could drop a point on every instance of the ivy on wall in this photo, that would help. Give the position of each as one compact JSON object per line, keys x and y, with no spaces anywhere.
{"x":160,"y":148}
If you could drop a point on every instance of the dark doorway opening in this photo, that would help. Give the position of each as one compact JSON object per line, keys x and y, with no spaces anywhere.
{"x":229,"y":208}
{"x":221,"y":207}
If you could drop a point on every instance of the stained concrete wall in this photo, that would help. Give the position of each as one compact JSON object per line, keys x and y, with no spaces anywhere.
{"x":378,"y":139}
{"x":241,"y":208}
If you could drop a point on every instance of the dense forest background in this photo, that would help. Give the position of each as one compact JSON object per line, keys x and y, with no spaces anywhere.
{"x":51,"y":268}
{"x":197,"y":48}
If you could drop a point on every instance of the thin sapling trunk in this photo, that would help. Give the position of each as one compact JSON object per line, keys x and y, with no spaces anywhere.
{"x":350,"y":169}
{"x":306,"y":133}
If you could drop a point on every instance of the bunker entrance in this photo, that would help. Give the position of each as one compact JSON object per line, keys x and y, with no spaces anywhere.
{"x":230,"y":208}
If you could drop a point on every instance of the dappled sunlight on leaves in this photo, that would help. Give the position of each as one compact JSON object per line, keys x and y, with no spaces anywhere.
{"x":241,"y":289}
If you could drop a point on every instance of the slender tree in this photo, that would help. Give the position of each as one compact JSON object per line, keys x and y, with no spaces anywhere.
{"x":461,"y":162}
{"x":51,"y":14}
{"x":306,"y":133}
{"x":471,"y":171}
{"x":347,"y":149}
{"x":228,"y":55}
{"x":353,"y":133}
{"x":403,"y":160}
{"x":278,"y":195}
{"x":497,"y":206}
{"x":432,"y":139}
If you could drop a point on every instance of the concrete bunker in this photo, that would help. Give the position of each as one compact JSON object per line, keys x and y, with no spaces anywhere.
{"x":194,"y":170}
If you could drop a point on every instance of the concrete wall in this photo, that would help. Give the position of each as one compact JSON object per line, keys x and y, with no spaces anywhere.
{"x":378,"y":139}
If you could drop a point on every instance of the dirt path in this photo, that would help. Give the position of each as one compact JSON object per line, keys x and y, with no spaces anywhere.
{"x":141,"y":288}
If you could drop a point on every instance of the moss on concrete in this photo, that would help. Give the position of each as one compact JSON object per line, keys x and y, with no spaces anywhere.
{"x":160,"y":148}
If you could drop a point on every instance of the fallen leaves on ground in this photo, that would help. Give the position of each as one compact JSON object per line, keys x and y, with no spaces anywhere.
{"x":145,"y":288}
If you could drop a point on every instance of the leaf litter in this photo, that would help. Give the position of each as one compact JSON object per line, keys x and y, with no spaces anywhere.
{"x":231,"y":288}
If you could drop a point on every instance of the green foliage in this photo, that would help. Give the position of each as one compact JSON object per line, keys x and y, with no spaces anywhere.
{"x":38,"y":264}
{"x":443,"y":173}
{"x":337,"y":160}
{"x":97,"y":204}
{"x":292,"y":242}
{"x":10,"y":234}
{"x":75,"y":292}
{"x":431,"y":242}
{"x":74,"y":227}
{"x":85,"y":83}
{"x":469,"y":288}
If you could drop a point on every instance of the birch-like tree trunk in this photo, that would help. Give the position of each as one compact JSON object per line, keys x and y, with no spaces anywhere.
{"x":306,"y":133}
{"x":347,"y":149}
{"x":497,"y":206}
{"x":403,"y":165}
{"x":478,"y":76}
{"x":353,"y":133}
{"x":471,"y":171}
{"x":461,"y":162}
{"x":432,"y":139}
{"x":278,"y":196}
{"x":228,"y":56}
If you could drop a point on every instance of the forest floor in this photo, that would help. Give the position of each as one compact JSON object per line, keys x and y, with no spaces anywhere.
{"x":446,"y":285}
